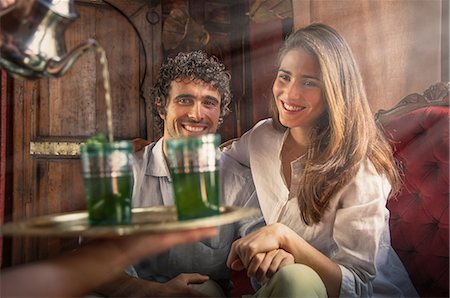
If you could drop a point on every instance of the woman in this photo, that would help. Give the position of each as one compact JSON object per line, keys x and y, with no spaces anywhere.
{"x":323,"y":173}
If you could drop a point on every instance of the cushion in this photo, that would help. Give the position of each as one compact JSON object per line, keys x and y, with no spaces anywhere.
{"x":420,"y":213}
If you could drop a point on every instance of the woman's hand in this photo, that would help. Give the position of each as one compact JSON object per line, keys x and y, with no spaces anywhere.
{"x":264,"y":240}
{"x":276,"y":237}
{"x":264,"y":265}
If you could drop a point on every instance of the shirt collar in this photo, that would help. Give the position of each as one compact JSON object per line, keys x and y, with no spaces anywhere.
{"x":298,"y":163}
{"x":157,"y":165}
{"x":283,"y":139}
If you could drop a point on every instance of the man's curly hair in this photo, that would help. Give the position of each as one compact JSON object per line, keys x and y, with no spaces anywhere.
{"x":190,"y":66}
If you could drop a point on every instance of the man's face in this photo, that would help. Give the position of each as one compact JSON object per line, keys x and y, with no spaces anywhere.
{"x":193,"y":108}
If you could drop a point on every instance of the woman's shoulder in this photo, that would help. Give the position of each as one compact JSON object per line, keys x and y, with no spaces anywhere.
{"x":262,"y":134}
{"x":265,"y":128}
{"x":365,"y":186}
{"x":367,"y":170}
{"x":264,"y":124}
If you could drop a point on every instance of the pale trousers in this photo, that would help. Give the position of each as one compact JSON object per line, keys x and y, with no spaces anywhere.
{"x":294,"y":280}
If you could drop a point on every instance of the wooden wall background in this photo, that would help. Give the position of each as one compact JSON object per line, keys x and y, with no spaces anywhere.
{"x":401,"y":47}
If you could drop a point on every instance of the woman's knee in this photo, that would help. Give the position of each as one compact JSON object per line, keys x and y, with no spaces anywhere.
{"x":299,"y":279}
{"x":297,"y":273}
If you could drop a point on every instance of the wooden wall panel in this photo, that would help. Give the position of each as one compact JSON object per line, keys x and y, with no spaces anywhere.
{"x":6,"y":153}
{"x":81,"y":91}
{"x":397,"y":43}
{"x":67,"y":104}
{"x":265,"y":41}
{"x":227,"y":25}
{"x":151,"y":38}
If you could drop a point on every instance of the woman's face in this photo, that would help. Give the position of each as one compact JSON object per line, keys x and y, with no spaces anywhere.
{"x":298,"y":90}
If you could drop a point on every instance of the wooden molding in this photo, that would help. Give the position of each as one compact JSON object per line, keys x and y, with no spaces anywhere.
{"x":435,"y":95}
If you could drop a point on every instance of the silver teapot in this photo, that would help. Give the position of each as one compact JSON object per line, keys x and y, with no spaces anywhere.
{"x":32,"y":41}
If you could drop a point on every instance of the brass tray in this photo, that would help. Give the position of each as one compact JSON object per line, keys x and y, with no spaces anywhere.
{"x":155,"y":219}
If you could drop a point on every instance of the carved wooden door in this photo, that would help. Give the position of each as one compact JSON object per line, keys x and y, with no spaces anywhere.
{"x":52,"y":116}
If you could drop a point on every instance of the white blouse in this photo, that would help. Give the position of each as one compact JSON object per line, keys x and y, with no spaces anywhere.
{"x":354,"y":231}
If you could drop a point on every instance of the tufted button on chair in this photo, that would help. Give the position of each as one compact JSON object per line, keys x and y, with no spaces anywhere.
{"x":418,"y":130}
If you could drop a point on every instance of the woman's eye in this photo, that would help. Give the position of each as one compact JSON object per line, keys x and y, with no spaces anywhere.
{"x":284,"y":77}
{"x":309,"y":83}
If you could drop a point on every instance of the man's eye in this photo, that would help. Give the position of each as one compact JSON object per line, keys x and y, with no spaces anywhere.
{"x":184,"y":101}
{"x":211,"y":103}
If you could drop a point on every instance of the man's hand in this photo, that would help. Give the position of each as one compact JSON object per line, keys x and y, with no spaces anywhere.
{"x":179,"y":286}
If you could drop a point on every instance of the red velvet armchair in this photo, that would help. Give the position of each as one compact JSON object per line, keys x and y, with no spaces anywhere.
{"x":418,"y":130}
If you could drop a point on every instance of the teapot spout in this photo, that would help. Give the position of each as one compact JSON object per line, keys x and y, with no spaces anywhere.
{"x":58,"y":68}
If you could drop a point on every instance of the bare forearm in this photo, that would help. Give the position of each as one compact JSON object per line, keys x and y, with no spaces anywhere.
{"x":89,"y":267}
{"x":128,"y":286}
{"x":71,"y":274}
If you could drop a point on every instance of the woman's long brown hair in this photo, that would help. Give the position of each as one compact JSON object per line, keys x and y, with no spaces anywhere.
{"x":346,"y":134}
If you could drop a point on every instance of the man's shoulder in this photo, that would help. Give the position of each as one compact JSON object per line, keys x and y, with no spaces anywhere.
{"x":144,"y":152}
{"x":232,"y":169}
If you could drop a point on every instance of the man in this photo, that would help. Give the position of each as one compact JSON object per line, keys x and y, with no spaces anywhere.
{"x":190,"y":97}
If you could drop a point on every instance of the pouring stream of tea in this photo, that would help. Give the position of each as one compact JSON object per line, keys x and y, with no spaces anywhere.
{"x":107,"y":88}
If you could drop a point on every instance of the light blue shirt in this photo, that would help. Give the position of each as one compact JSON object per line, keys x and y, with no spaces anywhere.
{"x":153,"y":186}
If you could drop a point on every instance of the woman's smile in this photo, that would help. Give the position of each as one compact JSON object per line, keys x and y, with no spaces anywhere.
{"x":291,"y":107}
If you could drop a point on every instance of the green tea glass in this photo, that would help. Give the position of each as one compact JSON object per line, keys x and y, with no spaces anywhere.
{"x":194,"y":169}
{"x":108,"y":181}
